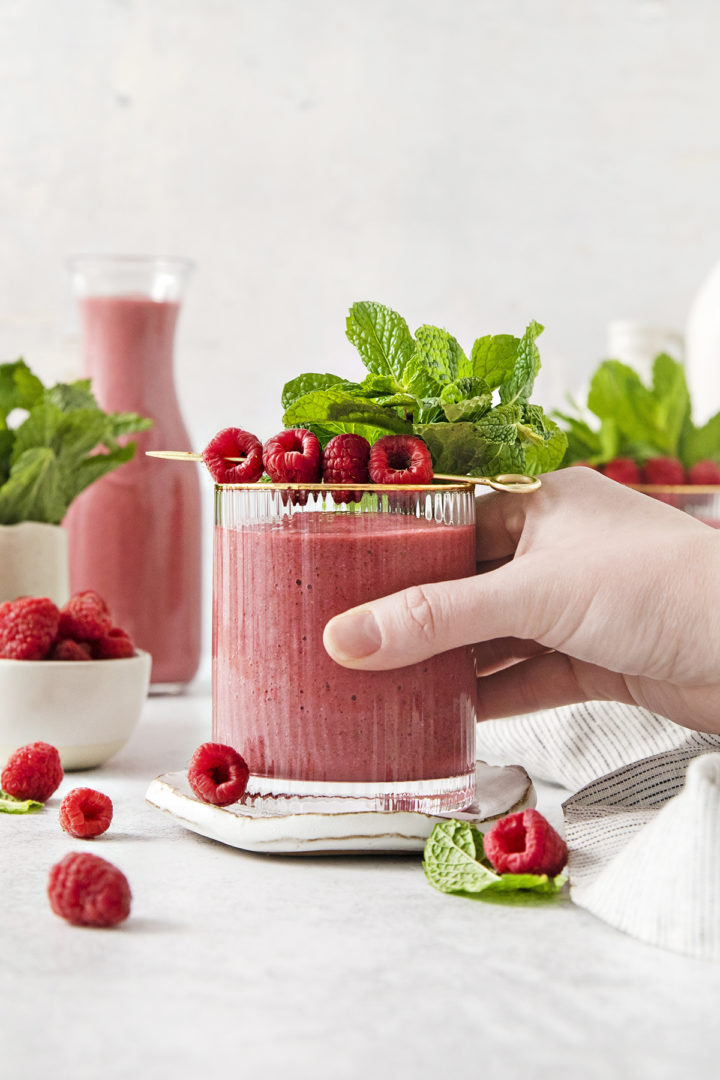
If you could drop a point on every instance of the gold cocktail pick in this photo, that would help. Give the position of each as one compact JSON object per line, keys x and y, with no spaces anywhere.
{"x":517,"y":483}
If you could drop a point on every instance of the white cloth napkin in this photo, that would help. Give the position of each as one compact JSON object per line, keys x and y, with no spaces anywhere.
{"x":644,"y":830}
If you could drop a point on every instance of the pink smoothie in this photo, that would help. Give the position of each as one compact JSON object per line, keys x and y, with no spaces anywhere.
{"x":135,"y":535}
{"x":279,"y":698}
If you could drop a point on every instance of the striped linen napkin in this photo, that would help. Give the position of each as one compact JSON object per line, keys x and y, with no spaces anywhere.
{"x":644,"y":830}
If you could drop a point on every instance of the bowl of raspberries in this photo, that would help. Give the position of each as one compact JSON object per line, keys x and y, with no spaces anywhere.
{"x":69,"y":677}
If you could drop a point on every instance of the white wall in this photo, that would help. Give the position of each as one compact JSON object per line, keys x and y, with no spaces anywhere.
{"x":472,"y":163}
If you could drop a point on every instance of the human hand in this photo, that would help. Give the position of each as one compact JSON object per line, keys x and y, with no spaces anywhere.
{"x":608,"y":594}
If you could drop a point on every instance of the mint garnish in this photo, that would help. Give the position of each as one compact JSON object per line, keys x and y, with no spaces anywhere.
{"x":427,"y":385}
{"x":638,"y":421}
{"x":455,"y":862}
{"x":62,"y":445}
{"x":10,"y":805}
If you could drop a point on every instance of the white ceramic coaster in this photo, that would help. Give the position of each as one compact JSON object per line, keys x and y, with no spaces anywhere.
{"x":500,"y":790}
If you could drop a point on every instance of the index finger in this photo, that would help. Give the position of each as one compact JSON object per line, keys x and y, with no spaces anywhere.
{"x":500,"y":518}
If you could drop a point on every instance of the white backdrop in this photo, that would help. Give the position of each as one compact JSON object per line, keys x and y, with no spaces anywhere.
{"x":472,"y":163}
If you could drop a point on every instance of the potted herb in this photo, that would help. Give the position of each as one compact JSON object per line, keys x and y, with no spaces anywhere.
{"x":54,"y":442}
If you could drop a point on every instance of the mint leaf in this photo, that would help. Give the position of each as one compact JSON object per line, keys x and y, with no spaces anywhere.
{"x":10,"y":805}
{"x":699,"y":444}
{"x":439,"y":353}
{"x":672,"y":396}
{"x":34,"y":490}
{"x":337,"y":405}
{"x":451,"y":859}
{"x":305,"y":384}
{"x":382,"y":338}
{"x":538,"y":883}
{"x":617,"y":393}
{"x":467,"y":398}
{"x":493,"y":359}
{"x":518,"y":386}
{"x":543,"y":442}
{"x":19,"y":389}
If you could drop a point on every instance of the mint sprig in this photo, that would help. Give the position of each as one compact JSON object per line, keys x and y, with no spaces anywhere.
{"x":638,"y":421}
{"x":455,"y":862}
{"x":10,"y":805}
{"x":64,"y":443}
{"x":427,"y":385}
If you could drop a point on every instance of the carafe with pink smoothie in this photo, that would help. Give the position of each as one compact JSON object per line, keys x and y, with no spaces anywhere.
{"x":315,"y":734}
{"x":135,"y":535}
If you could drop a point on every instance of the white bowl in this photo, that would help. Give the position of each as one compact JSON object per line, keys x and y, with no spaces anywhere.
{"x":88,"y":709}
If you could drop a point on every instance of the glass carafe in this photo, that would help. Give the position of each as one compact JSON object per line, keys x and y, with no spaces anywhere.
{"x":135,"y":535}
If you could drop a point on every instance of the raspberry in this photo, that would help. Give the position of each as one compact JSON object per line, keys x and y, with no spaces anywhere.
{"x":622,"y":469}
{"x":88,"y":891}
{"x":663,"y":470}
{"x":233,"y":442}
{"x":32,"y":772}
{"x":704,"y":472}
{"x":400,"y":459}
{"x":345,"y":460}
{"x":28,"y":627}
{"x":85,"y":617}
{"x":67,"y":649}
{"x":85,"y":812}
{"x":217,"y":774}
{"x":525,"y":843}
{"x":115,"y":645}
{"x":293,"y":457}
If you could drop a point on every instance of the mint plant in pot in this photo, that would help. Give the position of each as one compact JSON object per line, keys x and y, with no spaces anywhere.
{"x":54,"y":442}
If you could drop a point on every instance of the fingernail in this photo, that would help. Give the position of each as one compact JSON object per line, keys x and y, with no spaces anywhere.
{"x":353,"y":636}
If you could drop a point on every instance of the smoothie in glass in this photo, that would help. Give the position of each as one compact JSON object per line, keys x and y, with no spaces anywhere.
{"x":401,"y":739}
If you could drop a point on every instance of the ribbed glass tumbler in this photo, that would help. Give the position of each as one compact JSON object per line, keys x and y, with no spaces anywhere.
{"x":314,"y":734}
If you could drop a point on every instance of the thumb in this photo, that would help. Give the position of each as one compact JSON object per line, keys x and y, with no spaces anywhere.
{"x":409,"y":626}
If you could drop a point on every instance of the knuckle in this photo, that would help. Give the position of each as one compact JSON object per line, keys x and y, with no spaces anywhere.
{"x":420,"y":611}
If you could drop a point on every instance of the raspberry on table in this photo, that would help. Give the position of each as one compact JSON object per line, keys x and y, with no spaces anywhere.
{"x":115,"y":645}
{"x":85,"y":617}
{"x":293,"y":457}
{"x":624,"y":470}
{"x":32,"y":772}
{"x":400,"y":459}
{"x":233,"y":442}
{"x":28,"y":627}
{"x":85,"y":813}
{"x":704,"y":472}
{"x":525,"y":843}
{"x":218,"y":774}
{"x":88,"y":891}
{"x":67,"y":649}
{"x":664,"y":470}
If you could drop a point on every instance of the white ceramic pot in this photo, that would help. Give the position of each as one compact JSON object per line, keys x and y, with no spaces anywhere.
{"x":88,"y":709}
{"x":34,"y":561}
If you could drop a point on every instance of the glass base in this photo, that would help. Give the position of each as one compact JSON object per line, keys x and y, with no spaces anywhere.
{"x":440,"y":795}
{"x":167,"y":688}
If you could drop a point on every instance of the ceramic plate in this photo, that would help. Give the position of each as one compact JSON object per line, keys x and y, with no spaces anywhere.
{"x":500,"y":790}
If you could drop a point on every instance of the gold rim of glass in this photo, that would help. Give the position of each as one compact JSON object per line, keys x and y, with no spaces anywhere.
{"x":273,"y":486}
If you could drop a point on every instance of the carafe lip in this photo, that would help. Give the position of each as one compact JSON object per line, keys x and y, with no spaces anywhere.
{"x":80,"y":261}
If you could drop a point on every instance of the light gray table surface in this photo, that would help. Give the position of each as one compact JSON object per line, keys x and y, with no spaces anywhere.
{"x":235,"y":965}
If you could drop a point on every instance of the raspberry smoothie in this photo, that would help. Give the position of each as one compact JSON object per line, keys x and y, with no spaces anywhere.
{"x":135,"y":534}
{"x":279,"y":699}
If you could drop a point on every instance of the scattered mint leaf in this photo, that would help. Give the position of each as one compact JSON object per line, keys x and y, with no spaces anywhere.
{"x":382,"y":338}
{"x":451,"y":859}
{"x":454,"y":862}
{"x":10,"y":805}
{"x":305,"y":384}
